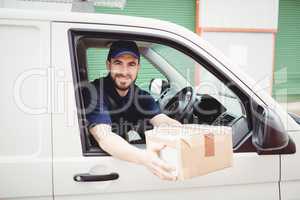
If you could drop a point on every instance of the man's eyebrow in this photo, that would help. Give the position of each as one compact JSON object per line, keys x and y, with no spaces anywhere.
{"x":133,"y":62}
{"x":117,"y":61}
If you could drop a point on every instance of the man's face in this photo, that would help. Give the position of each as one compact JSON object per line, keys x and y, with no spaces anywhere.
{"x":123,"y":70}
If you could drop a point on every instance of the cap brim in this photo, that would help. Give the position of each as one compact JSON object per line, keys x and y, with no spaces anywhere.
{"x":124,"y":53}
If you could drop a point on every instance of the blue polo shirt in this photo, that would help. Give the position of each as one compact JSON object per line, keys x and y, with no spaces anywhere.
{"x":104,"y":105}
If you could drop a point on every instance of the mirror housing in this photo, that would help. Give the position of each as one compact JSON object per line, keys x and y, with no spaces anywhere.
{"x":269,"y":135}
{"x":157,"y":86}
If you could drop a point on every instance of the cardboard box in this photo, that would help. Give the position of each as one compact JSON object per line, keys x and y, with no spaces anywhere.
{"x":194,"y":149}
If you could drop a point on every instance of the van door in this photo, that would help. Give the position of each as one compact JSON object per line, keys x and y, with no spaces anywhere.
{"x":252,"y":176}
{"x":290,"y":175}
{"x":25,"y":121}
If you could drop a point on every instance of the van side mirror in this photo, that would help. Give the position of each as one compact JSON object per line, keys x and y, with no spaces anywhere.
{"x":269,"y":135}
{"x":157,"y":86}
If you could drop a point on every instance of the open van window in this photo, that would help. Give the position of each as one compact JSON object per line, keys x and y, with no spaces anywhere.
{"x":184,"y":88}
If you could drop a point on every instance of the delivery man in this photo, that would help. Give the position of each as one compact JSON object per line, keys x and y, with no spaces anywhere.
{"x":119,"y":104}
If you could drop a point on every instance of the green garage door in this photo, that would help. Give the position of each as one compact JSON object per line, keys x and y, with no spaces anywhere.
{"x":287,"y":61}
{"x":179,"y":12}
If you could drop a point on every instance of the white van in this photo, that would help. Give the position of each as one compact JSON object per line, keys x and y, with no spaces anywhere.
{"x":45,"y":145}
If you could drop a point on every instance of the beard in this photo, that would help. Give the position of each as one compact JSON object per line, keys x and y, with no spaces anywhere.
{"x":122,"y":86}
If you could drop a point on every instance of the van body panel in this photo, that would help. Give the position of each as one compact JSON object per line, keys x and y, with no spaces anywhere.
{"x":290,"y":173}
{"x":25,"y":138}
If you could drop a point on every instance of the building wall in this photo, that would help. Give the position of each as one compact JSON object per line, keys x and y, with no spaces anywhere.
{"x":245,"y":32}
{"x":287,"y":61}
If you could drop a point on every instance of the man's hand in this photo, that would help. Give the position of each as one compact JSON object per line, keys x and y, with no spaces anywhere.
{"x":157,"y":166}
{"x":164,"y":120}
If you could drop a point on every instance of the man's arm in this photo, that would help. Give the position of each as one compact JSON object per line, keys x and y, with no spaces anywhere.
{"x":121,"y":149}
{"x":164,"y":120}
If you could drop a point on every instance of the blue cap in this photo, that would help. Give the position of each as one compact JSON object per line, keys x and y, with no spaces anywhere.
{"x":121,"y":47}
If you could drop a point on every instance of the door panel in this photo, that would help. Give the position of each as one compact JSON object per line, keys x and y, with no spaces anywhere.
{"x":214,"y":193}
{"x":250,"y":177}
{"x":136,"y":178}
{"x":25,"y":121}
{"x":290,"y":173}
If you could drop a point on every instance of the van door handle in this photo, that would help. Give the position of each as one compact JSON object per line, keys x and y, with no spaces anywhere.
{"x":91,"y":177}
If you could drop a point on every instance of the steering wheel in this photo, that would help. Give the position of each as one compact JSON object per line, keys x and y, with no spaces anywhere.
{"x":180,"y":106}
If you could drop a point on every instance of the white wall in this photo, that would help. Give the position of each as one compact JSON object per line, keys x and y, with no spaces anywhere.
{"x":252,"y":52}
{"x":244,"y":31}
{"x":239,"y":13}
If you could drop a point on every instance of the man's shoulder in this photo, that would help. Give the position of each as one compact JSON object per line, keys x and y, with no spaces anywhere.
{"x":97,"y":81}
{"x":141,"y":91}
{"x":100,"y":83}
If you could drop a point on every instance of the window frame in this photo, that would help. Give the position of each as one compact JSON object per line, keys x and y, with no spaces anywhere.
{"x":77,"y":34}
